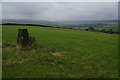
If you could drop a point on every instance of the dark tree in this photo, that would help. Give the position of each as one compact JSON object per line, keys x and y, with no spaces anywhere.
{"x":86,"y":29}
{"x":110,"y":31}
{"x":91,"y":29}
{"x":103,"y":30}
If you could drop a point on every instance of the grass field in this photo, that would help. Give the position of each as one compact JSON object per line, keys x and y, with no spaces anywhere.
{"x":60,"y":53}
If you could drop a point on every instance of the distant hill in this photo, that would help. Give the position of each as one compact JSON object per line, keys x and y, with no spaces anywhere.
{"x":40,"y":22}
{"x":89,"y":22}
{"x":60,"y":23}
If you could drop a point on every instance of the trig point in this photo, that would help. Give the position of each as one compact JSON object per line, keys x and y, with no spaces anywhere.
{"x":22,"y":38}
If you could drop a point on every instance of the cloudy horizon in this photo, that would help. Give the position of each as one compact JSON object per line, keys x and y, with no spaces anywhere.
{"x":60,"y":11}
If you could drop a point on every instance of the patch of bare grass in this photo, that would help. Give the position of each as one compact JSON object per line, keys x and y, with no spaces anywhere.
{"x":60,"y":53}
{"x":12,"y":62}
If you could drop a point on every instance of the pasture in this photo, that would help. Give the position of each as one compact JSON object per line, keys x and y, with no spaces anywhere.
{"x":60,"y":53}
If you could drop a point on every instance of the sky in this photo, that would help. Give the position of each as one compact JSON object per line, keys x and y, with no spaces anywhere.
{"x":0,"y":13}
{"x":60,"y":0}
{"x":60,"y":11}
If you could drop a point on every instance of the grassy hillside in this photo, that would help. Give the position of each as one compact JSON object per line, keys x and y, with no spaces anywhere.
{"x":61,"y":53}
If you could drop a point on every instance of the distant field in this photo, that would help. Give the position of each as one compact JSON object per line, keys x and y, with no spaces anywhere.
{"x":114,"y":29}
{"x":61,"y":53}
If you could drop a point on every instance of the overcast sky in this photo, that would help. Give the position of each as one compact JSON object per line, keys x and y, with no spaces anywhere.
{"x":60,"y":10}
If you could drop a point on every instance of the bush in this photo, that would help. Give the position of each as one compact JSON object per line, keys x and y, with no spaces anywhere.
{"x":32,"y":42}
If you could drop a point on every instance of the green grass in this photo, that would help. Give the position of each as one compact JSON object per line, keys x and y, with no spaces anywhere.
{"x":82,"y":54}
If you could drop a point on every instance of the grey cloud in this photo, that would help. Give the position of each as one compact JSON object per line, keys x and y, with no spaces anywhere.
{"x":0,"y":12}
{"x":60,"y":11}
